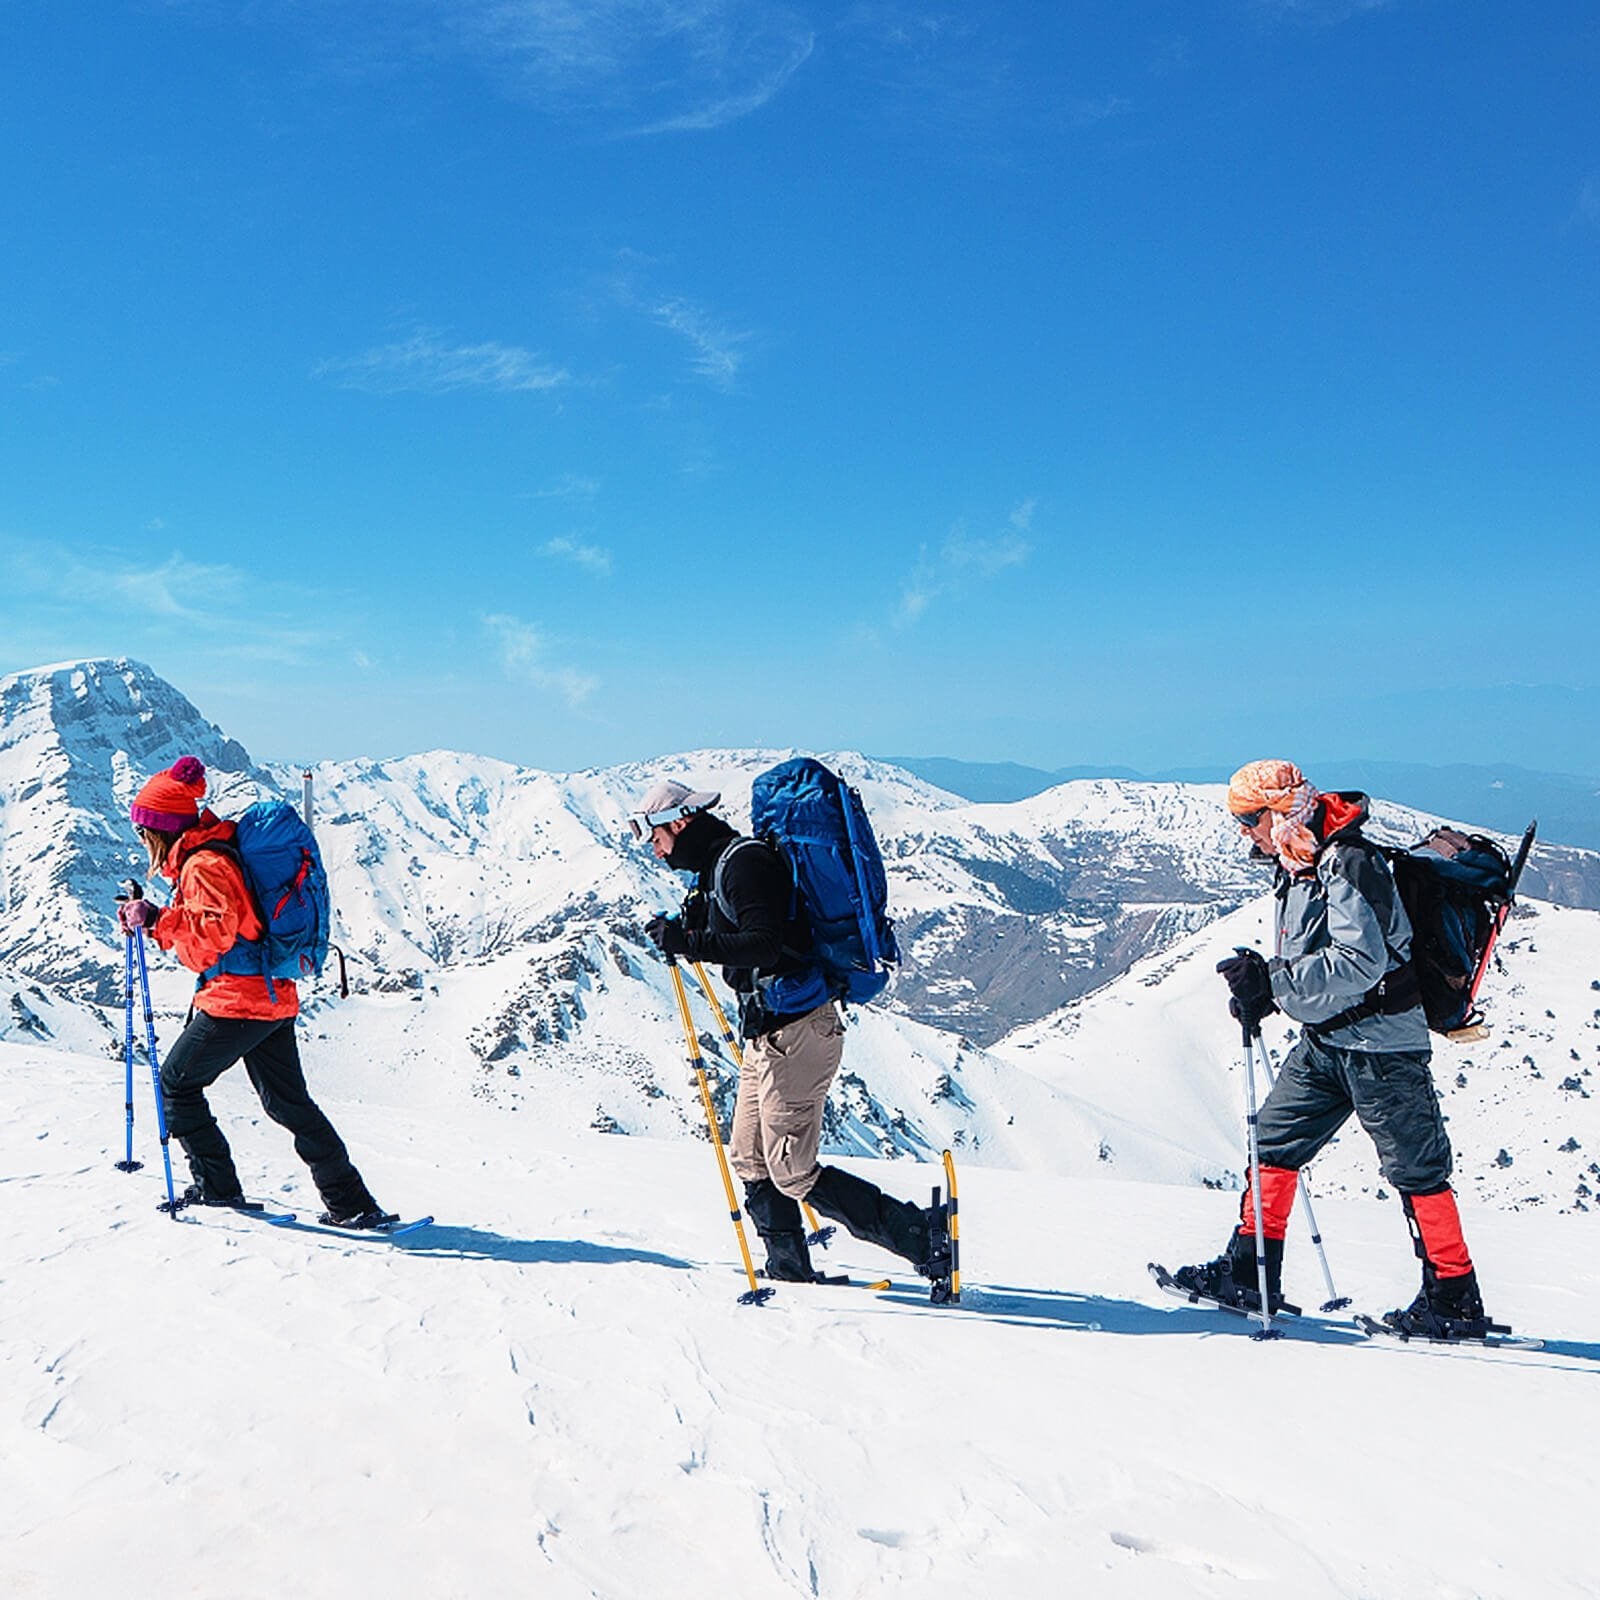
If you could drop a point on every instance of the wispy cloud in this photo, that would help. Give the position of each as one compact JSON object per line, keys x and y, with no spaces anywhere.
{"x":524,"y":657}
{"x":1084,"y":113}
{"x":12,"y":363}
{"x":961,"y":559}
{"x":574,"y":486}
{"x":1587,"y":209}
{"x":594,"y":557}
{"x":426,"y":363}
{"x":1324,"y":11}
{"x":644,"y":66}
{"x":716,"y":353}
{"x":731,"y":107}
{"x":103,"y":594}
{"x":176,"y":588}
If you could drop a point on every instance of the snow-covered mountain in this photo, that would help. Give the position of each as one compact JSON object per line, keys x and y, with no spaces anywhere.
{"x":1056,"y":1009}
{"x":76,"y":741}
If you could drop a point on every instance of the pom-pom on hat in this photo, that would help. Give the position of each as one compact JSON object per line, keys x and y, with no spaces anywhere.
{"x":170,"y":801}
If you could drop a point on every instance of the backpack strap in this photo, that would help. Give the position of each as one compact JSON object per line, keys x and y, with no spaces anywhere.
{"x":223,"y":847}
{"x":1400,"y":988}
{"x":719,"y":895}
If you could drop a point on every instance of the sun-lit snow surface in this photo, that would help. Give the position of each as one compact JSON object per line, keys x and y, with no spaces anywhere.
{"x":556,"y":1393}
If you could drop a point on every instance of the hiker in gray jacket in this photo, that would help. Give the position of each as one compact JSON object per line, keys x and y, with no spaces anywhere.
{"x":1342,"y":970}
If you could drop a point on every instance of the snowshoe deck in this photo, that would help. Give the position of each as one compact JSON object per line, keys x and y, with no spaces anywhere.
{"x":399,"y":1229}
{"x":1499,"y":1337}
{"x":263,"y":1210}
{"x":1170,"y":1285}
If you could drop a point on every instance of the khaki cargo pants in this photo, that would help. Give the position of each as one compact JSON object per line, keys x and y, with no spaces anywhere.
{"x":777,"y":1119}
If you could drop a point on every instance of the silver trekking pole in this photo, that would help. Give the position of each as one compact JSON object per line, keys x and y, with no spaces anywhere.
{"x":1335,"y":1301}
{"x":1266,"y":1331}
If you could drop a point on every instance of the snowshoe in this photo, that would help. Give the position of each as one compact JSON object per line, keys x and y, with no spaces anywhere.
{"x":372,"y":1219}
{"x":198,"y":1195}
{"x":1445,"y":1308}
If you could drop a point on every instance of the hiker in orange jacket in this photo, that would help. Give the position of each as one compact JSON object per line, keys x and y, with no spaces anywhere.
{"x":237,"y":1015}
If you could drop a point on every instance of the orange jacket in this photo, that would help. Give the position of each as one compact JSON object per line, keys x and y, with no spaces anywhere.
{"x":211,"y":909}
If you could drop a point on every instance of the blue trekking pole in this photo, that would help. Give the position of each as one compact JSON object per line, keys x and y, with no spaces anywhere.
{"x":127,"y":1164}
{"x":171,"y":1207}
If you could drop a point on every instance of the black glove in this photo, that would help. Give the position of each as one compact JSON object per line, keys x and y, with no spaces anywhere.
{"x":1251,"y":985}
{"x":667,"y":935}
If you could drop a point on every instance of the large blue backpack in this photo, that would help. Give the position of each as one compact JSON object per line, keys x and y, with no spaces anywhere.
{"x":282,"y":867}
{"x":817,"y":824}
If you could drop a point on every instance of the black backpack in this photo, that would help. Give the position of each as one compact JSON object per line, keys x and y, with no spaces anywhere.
{"x":1457,"y":889}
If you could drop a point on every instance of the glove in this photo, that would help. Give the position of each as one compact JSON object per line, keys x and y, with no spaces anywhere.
{"x":136,"y":914}
{"x":1251,"y":985}
{"x":667,"y":935}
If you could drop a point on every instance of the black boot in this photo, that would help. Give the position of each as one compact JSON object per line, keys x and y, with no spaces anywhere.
{"x":915,"y":1232}
{"x":1232,"y":1278}
{"x":1445,"y":1308}
{"x":197,"y":1194}
{"x":776,"y":1217}
{"x":211,"y":1166}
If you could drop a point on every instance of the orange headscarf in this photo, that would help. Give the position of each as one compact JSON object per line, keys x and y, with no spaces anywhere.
{"x":1281,"y":788}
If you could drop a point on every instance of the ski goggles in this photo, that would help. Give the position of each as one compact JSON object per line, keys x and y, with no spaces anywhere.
{"x":1248,"y":819}
{"x":644,"y":823}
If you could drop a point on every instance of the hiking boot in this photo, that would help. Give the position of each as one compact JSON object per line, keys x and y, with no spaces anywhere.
{"x":360,"y":1221}
{"x":1445,"y":1308}
{"x":788,"y":1258}
{"x":1231,"y":1279}
{"x":198,"y":1195}
{"x":777,"y":1219}
{"x":937,"y":1260}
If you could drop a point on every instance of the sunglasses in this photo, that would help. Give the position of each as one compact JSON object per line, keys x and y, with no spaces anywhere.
{"x":1248,"y":819}
{"x":644,"y":823}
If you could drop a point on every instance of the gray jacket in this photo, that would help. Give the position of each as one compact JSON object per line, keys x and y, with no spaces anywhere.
{"x":1340,"y":928}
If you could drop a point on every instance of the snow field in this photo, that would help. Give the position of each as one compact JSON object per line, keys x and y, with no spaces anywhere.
{"x":555,"y":1391}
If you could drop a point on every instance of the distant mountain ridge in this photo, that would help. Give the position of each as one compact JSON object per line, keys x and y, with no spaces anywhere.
{"x":492,"y":916}
{"x":1504,"y":798}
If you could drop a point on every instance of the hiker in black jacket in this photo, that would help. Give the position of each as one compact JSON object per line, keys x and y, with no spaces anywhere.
{"x":742,"y":914}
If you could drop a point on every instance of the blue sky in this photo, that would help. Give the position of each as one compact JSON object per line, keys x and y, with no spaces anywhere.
{"x":1097,"y":382}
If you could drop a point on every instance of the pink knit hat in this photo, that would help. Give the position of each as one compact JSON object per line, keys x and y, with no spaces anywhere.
{"x":170,"y":801}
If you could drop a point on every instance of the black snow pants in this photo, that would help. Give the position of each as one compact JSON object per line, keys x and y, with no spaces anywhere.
{"x":1391,"y":1093}
{"x":203,"y":1052}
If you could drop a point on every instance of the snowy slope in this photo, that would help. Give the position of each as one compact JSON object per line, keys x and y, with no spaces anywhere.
{"x":1157,"y":1047}
{"x":492,"y":919}
{"x":555,"y":1392}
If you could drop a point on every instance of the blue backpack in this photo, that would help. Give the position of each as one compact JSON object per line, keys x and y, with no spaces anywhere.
{"x":818,"y":825}
{"x":282,"y":867}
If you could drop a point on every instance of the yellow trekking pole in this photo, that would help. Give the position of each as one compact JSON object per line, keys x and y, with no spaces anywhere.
{"x":953,"y":1224}
{"x":818,"y":1234}
{"x":756,"y":1294}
